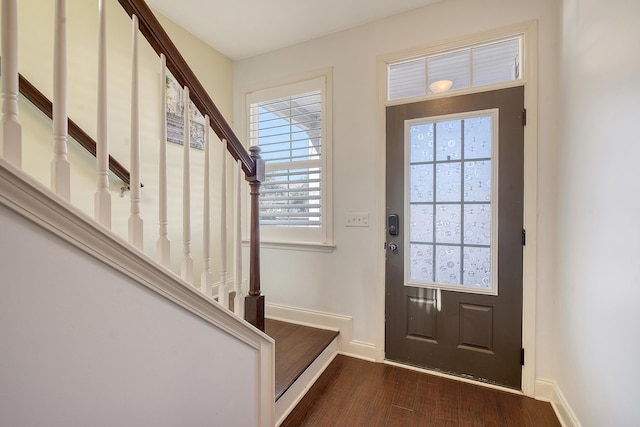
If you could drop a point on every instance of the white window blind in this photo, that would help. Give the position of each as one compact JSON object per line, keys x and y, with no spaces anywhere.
{"x":473,"y":66}
{"x":289,"y":125}
{"x":407,"y":79}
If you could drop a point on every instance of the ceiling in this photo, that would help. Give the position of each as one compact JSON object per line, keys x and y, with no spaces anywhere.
{"x":243,"y":28}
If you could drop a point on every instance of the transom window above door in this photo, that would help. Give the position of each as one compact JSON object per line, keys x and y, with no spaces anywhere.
{"x":478,"y":65}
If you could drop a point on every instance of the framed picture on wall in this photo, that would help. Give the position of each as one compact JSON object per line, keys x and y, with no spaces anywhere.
{"x":175,"y":117}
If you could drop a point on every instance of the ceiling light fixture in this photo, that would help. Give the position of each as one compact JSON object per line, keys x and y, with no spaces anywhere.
{"x":440,"y":86}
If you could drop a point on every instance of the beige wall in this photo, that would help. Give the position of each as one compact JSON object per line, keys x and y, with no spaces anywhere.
{"x":598,"y":282}
{"x":35,"y":62}
{"x":214,"y":70}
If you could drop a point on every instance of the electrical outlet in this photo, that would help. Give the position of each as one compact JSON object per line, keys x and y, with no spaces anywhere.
{"x":357,"y":219}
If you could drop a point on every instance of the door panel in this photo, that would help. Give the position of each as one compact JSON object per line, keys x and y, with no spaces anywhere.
{"x":430,"y":325}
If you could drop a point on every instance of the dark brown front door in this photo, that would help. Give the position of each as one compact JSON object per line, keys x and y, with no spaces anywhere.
{"x":454,"y":237}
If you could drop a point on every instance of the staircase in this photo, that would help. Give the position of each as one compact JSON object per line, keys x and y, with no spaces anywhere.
{"x":249,"y":165}
{"x":107,"y":243}
{"x":69,"y":253}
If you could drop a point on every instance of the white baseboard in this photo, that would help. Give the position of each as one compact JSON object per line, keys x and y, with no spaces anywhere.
{"x":548,"y":391}
{"x":301,"y":386}
{"x":343,"y":324}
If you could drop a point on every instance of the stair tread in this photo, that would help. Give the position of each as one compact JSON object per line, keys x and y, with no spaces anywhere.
{"x":297,"y":347}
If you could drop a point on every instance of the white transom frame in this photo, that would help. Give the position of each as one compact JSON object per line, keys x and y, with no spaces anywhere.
{"x":494,"y":116}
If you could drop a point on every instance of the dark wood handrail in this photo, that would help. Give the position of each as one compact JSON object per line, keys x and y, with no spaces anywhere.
{"x":160,"y":41}
{"x":37,"y":98}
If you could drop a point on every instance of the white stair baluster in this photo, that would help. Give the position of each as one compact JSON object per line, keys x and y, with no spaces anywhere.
{"x":102,"y":199}
{"x":223,"y":289}
{"x":11,"y":129}
{"x":135,"y":220}
{"x":187,"y":261}
{"x":206,"y":278}
{"x":60,"y":167}
{"x":164,"y":245}
{"x":238,"y":304}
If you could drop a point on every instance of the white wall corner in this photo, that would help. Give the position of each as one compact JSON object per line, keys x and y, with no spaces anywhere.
{"x":317,"y":319}
{"x":548,"y":391}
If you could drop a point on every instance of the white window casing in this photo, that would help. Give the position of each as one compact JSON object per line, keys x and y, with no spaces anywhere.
{"x":291,"y":123}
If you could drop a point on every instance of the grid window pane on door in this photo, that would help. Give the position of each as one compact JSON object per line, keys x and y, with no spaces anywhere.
{"x":451,"y":203}
{"x":289,"y":133}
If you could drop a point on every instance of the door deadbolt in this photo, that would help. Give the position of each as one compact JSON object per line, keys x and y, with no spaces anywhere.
{"x":393,"y":247}
{"x":393,"y":224}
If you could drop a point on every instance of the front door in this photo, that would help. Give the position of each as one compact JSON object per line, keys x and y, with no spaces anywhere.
{"x":454,"y":235}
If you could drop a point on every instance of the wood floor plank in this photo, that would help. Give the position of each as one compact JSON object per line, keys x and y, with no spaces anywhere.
{"x":400,"y":417}
{"x":447,"y":400}
{"x":405,"y":390}
{"x":353,"y":392}
{"x":428,"y":404}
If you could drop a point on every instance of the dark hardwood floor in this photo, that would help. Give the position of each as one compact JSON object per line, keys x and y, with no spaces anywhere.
{"x":353,"y":392}
{"x":297,"y":347}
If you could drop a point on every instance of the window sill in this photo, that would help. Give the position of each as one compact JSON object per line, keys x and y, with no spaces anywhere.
{"x":296,"y":246}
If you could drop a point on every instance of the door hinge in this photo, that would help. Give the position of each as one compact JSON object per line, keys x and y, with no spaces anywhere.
{"x":524,"y":117}
{"x":522,"y":356}
{"x":524,"y":237}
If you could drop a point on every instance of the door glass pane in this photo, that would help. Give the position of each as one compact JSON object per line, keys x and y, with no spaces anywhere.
{"x":421,"y":265}
{"x":422,"y":143}
{"x":477,"y":134}
{"x":477,"y":181}
{"x":477,"y":270}
{"x":421,"y":227}
{"x":450,"y":211}
{"x":448,"y":182}
{"x":447,"y":264}
{"x":477,"y":224}
{"x":448,"y":140}
{"x":448,"y":223}
{"x":421,"y":177}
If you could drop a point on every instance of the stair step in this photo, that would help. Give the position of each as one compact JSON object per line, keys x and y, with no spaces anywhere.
{"x":297,"y":347}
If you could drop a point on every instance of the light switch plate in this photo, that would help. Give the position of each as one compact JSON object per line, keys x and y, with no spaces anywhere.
{"x":357,"y":219}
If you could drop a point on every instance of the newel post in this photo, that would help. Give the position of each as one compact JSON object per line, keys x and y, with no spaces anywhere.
{"x":254,"y":302}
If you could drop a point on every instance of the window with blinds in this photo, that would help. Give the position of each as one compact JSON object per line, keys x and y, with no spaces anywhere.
{"x":474,"y":66}
{"x":289,"y":125}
